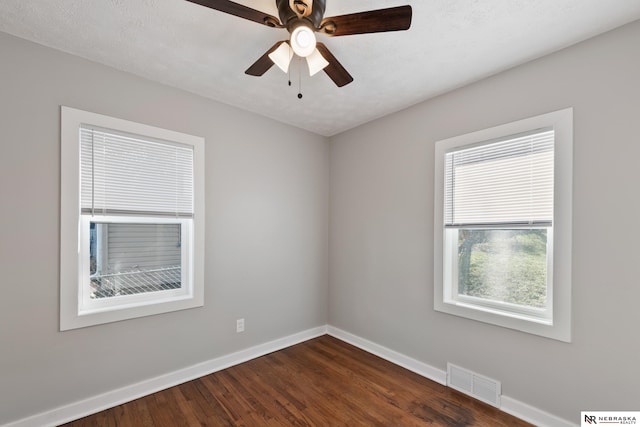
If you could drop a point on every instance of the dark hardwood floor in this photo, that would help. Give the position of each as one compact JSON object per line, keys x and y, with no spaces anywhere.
{"x":321,"y":382}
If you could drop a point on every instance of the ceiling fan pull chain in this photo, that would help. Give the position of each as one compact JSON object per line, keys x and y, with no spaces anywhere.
{"x":299,"y":78}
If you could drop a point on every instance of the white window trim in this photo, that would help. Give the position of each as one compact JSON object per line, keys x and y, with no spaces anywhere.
{"x":71,"y":238}
{"x":559,"y":326}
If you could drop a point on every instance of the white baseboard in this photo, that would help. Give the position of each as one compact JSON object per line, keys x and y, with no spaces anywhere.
{"x":533,"y":415}
{"x":122,"y":395}
{"x":509,"y":405}
{"x":420,"y":368}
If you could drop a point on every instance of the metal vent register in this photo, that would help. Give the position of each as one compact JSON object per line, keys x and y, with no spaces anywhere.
{"x":478,"y":386}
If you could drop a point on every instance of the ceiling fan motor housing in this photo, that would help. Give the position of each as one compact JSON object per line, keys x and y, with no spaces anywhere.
{"x":290,"y":19}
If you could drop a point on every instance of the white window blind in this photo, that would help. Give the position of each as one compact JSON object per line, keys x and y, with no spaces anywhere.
{"x":124,"y":174}
{"x":501,"y":183}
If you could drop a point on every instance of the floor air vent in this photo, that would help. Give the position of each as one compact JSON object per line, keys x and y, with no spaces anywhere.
{"x":478,"y":386}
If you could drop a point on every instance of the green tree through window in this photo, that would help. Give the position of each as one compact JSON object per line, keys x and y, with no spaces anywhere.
{"x":505,"y":265}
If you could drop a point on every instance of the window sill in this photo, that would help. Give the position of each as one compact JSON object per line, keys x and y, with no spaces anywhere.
{"x":529,"y":324}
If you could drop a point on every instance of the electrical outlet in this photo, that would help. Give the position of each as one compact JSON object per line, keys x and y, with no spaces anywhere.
{"x":240,"y":325}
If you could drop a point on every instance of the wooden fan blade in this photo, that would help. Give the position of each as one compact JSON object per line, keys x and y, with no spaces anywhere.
{"x":240,"y":11}
{"x":373,"y":21}
{"x":334,"y":70}
{"x":263,"y":63}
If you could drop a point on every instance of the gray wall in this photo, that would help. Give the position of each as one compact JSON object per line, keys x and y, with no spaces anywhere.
{"x":266,"y":233}
{"x":267,"y":189}
{"x":381,"y":238}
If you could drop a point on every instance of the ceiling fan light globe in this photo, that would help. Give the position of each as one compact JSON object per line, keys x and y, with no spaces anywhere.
{"x":316,"y":62}
{"x":303,"y":41}
{"x":282,"y":56}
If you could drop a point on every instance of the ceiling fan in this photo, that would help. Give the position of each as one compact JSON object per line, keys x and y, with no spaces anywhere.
{"x":303,"y":18}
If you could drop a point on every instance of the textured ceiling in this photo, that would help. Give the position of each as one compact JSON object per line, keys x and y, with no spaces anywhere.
{"x":450,"y":43}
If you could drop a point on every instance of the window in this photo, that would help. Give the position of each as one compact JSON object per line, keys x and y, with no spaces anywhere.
{"x":132,"y":220}
{"x":503,"y":225}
